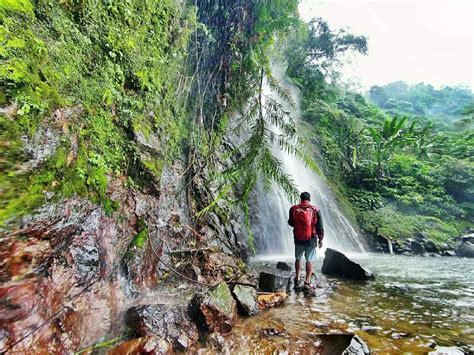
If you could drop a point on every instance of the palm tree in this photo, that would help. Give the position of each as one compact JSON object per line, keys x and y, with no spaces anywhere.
{"x":391,"y":136}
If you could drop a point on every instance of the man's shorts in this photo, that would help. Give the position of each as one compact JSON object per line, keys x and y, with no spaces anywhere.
{"x":309,"y":251}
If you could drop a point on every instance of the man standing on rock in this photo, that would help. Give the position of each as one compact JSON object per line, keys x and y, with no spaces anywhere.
{"x":308,"y":232}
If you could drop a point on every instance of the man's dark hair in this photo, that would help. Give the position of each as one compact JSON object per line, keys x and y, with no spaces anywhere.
{"x":305,"y":196}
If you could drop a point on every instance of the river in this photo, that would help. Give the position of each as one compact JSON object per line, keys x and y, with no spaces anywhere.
{"x":413,"y":304}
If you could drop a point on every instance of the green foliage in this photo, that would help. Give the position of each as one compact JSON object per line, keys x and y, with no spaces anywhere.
{"x":399,"y":226}
{"x":140,"y":239}
{"x":401,"y":173}
{"x":444,"y":106}
{"x":314,"y":53}
{"x":243,"y":34}
{"x":389,"y":138}
{"x":122,"y":62}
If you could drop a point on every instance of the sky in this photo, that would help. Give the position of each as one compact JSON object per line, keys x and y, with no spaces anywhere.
{"x":414,"y":41}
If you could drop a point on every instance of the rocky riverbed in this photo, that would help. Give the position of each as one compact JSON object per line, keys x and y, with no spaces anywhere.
{"x":422,"y":246}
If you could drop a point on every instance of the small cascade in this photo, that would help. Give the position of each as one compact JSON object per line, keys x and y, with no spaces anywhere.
{"x":270,"y":227}
{"x":390,"y":246}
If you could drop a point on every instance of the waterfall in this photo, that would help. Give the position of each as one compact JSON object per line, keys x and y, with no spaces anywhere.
{"x":272,"y":234}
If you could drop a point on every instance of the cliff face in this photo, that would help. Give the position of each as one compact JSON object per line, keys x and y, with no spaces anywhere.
{"x":115,"y":146}
{"x":70,"y":269}
{"x":96,"y":185}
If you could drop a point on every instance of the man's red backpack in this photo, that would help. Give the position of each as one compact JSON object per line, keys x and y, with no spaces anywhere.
{"x":304,"y":217}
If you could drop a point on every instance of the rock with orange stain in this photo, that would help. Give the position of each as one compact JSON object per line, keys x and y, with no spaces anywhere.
{"x":271,"y":299}
{"x":144,"y":345}
{"x":169,"y":322}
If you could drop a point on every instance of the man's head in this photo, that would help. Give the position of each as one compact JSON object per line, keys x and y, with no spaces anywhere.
{"x":305,"y":196}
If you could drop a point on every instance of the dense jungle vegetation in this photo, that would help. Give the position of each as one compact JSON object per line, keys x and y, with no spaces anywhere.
{"x":401,"y":156}
{"x":119,"y":80}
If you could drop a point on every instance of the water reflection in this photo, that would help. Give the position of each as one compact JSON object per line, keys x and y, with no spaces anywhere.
{"x":414,"y":304}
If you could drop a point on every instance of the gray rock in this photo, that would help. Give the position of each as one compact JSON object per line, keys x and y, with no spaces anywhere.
{"x":466,"y":249}
{"x":446,"y":350}
{"x":420,"y":236}
{"x":468,"y":238}
{"x":274,"y":280}
{"x":337,"y":264}
{"x":47,"y":137}
{"x":281,"y":265}
{"x":431,"y":247}
{"x":216,"y":341}
{"x":214,"y":310}
{"x":383,"y":244}
{"x":346,"y":344}
{"x":357,"y":346}
{"x":416,"y":247}
{"x":449,"y":253}
{"x":168,"y":322}
{"x":246,"y":297}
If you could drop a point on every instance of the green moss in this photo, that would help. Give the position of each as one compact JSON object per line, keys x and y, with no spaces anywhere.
{"x":16,"y":5}
{"x":155,"y":166}
{"x":222,"y":297}
{"x":140,"y":239}
{"x":119,"y":61}
{"x":399,"y":226}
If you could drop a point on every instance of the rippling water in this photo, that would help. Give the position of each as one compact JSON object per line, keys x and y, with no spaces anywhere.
{"x":414,"y":304}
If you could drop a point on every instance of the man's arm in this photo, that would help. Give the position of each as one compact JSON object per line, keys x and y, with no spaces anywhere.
{"x":319,"y":228}
{"x":291,"y":221}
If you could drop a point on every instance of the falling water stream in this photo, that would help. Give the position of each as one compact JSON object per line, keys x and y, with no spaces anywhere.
{"x":413,"y":305}
{"x":271,"y":229}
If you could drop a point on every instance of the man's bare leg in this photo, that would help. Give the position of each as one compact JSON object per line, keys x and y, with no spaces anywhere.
{"x":297,"y":271}
{"x":309,"y":271}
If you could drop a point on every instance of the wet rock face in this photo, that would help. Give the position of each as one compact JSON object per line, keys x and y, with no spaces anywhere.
{"x":337,"y":264}
{"x":214,"y":310}
{"x":274,"y":280}
{"x":47,"y":137}
{"x":66,"y":259}
{"x":57,"y":264}
{"x":246,"y":297}
{"x":382,"y":244}
{"x":169,"y":322}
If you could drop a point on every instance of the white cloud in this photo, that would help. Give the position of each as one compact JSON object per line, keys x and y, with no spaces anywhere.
{"x":414,"y":41}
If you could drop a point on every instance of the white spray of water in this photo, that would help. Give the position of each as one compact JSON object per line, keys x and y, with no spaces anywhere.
{"x":272,"y":233}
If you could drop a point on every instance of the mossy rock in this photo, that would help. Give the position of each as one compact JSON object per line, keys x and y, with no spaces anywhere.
{"x":214,"y":310}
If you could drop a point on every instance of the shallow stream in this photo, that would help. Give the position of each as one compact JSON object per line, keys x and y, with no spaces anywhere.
{"x":414,"y":304}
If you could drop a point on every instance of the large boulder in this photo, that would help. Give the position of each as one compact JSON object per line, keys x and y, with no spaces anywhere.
{"x":168,"y":322}
{"x":337,"y":264}
{"x":246,"y":297}
{"x":214,"y":310}
{"x":274,"y":280}
{"x":416,"y":247}
{"x":466,"y":249}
